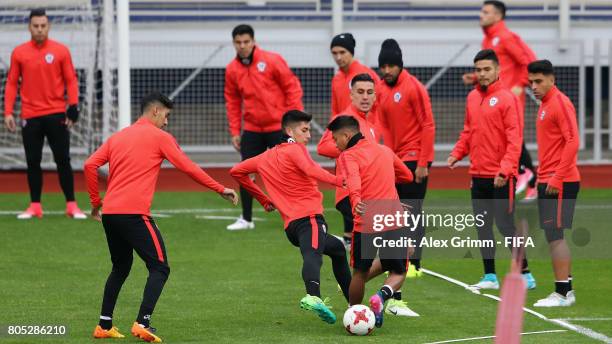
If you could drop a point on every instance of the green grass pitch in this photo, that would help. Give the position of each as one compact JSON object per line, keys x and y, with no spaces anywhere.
{"x":245,"y":287}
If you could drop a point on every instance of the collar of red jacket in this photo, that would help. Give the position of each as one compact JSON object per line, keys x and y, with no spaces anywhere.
{"x":352,"y":67}
{"x":494,"y":87}
{"x":551,"y":93}
{"x":402,"y":76}
{"x":256,"y":55}
{"x":144,"y":120}
{"x":359,"y":112}
{"x":36,"y":46}
{"x":355,"y":140}
{"x":495,"y":29}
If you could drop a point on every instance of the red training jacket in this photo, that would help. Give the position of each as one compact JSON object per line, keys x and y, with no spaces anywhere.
{"x":558,"y":140}
{"x":404,"y":113}
{"x":341,"y":85}
{"x":261,"y":92}
{"x":492,"y":132}
{"x":327,"y":146}
{"x":290,"y":177}
{"x":513,"y":54}
{"x":46,"y":73}
{"x":135,"y":155}
{"x":372,"y":171}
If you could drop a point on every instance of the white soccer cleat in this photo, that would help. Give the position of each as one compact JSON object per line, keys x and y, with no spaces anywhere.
{"x":557,"y":300}
{"x":240,"y":225}
{"x":399,"y":308}
{"x":489,"y":281}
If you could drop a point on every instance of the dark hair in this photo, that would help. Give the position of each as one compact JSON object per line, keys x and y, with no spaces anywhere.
{"x":38,"y":12}
{"x":153,"y":98}
{"x":292,"y":117}
{"x":342,"y":122}
{"x":541,"y":66}
{"x":361,"y":77}
{"x":486,"y":54}
{"x":243,"y":29}
{"x":499,"y":6}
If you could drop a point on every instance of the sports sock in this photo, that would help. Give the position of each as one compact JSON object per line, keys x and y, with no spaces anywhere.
{"x":562,"y":287}
{"x":313,"y":288}
{"x":143,"y":318}
{"x":416,"y":263}
{"x":525,"y":266}
{"x":398,"y":295}
{"x":386,"y":292}
{"x":570,"y":282}
{"x":489,"y":266}
{"x":106,"y":322}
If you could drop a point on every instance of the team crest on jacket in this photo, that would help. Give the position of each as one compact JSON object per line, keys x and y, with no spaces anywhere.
{"x":493,"y":101}
{"x":49,"y":58}
{"x":397,"y":97}
{"x":542,"y":115}
{"x":495,"y":41}
{"x":261,"y":67}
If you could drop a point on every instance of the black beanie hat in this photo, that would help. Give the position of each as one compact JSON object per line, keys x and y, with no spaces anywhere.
{"x":390,"y":53}
{"x":344,"y":40}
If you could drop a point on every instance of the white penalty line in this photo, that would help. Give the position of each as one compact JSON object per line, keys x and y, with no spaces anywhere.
{"x":490,"y":337}
{"x":560,"y":322}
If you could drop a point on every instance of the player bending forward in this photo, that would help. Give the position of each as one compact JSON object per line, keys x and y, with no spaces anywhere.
{"x":290,"y":177}
{"x":371,"y":173}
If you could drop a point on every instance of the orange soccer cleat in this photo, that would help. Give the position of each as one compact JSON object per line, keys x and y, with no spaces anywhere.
{"x":144,"y":333}
{"x":99,"y":332}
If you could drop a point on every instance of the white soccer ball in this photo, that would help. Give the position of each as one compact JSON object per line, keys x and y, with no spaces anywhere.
{"x":359,"y":320}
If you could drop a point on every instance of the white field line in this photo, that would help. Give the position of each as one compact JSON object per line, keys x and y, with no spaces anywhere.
{"x":232,"y":210}
{"x":578,"y":329}
{"x":585,"y":319}
{"x":154,"y":211}
{"x":216,"y":217}
{"x":490,"y":337}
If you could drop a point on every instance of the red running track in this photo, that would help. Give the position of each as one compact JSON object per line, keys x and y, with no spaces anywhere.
{"x":593,"y":176}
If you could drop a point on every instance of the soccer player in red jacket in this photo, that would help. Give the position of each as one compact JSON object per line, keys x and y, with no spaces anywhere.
{"x":47,"y":76}
{"x":363,"y":97}
{"x":492,"y":135}
{"x":343,"y":51}
{"x":514,"y":56}
{"x":371,"y":172}
{"x":404,"y":113}
{"x":290,"y":177}
{"x":558,"y":176}
{"x":135,"y":155}
{"x":259,"y":89}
